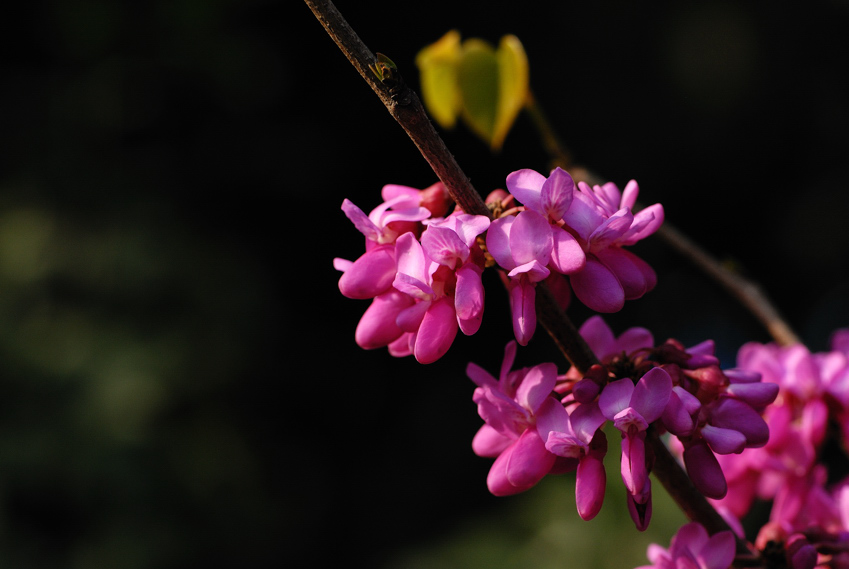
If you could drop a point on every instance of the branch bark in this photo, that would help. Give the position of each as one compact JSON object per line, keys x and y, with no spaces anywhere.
{"x":404,"y":106}
{"x":748,"y":293}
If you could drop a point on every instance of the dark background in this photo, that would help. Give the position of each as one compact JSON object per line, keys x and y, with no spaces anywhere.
{"x":179,"y":383}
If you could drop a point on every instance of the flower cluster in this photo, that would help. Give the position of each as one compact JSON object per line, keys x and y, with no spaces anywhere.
{"x":576,"y":231}
{"x":422,"y":271}
{"x":539,"y":423}
{"x":801,"y":468}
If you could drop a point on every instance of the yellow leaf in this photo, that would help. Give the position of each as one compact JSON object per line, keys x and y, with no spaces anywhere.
{"x":512,"y":87}
{"x":477,"y":79}
{"x":437,"y":65}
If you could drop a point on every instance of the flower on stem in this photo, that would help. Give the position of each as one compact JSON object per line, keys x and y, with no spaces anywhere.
{"x":372,"y":273}
{"x":813,"y":393}
{"x":422,"y":291}
{"x":522,"y":245}
{"x":632,"y":408}
{"x":442,"y":275}
{"x":515,"y":408}
{"x":692,"y":548}
{"x":579,"y":436}
{"x":601,"y":219}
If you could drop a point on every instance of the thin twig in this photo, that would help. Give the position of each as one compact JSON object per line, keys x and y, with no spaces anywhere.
{"x":748,"y":293}
{"x":404,"y":105}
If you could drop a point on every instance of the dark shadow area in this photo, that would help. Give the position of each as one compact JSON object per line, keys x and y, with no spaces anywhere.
{"x":180,"y":386}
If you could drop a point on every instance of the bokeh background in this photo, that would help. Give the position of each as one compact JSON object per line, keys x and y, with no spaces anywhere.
{"x":179,"y":386}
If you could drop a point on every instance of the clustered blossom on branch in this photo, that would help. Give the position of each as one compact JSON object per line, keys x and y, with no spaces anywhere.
{"x":422,"y":269}
{"x":803,"y":468}
{"x":538,"y":422}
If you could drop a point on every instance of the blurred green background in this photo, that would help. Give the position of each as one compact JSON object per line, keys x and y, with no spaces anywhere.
{"x":179,"y":385}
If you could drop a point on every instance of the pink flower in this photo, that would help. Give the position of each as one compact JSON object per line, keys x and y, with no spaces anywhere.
{"x":372,"y":273}
{"x":813,"y":390}
{"x":442,"y":275}
{"x":522,"y":245}
{"x":632,"y":408}
{"x":603,"y":223}
{"x":578,"y":436}
{"x":692,"y":548}
{"x":511,"y":406}
{"x":551,"y":198}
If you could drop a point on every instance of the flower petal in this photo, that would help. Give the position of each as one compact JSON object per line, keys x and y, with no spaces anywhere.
{"x":529,"y":462}
{"x":437,"y":331}
{"x":370,"y":275}
{"x":590,"y":482}
{"x":536,"y":386}
{"x":377,"y":327}
{"x":444,"y":246}
{"x":599,"y":336}
{"x":615,"y":397}
{"x":651,"y":394}
{"x":597,"y":287}
{"x":556,"y":194}
{"x":704,"y":471}
{"x":526,"y":186}
{"x":523,"y":308}
{"x":530,"y":239}
{"x":567,"y":256}
{"x":724,"y":441}
{"x":719,"y":551}
{"x":498,"y":242}
{"x":490,"y":443}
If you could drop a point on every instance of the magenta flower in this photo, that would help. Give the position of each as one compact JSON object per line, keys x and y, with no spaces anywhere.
{"x":551,"y":198}
{"x":605,"y":345}
{"x":632,"y":408}
{"x":443,"y":277}
{"x":372,"y":273}
{"x":522,"y":245}
{"x":603,"y":223}
{"x":812,"y":392}
{"x":578,"y":436}
{"x":511,"y":406}
{"x":692,"y":548}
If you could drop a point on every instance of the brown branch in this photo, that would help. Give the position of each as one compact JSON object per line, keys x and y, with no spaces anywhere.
{"x":562,"y":331}
{"x":404,"y":105}
{"x":748,"y":293}
{"x":407,"y":110}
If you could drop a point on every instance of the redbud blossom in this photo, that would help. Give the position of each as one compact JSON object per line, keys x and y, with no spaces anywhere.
{"x":512,"y":407}
{"x":602,"y":220}
{"x":692,"y":548}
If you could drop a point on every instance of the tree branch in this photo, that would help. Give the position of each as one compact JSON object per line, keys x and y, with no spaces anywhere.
{"x":405,"y":107}
{"x":748,"y":293}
